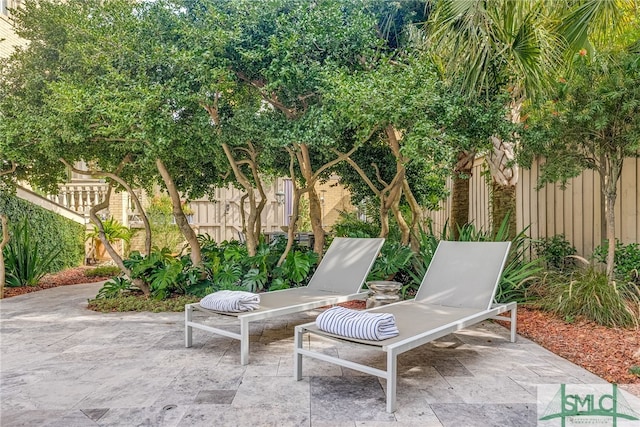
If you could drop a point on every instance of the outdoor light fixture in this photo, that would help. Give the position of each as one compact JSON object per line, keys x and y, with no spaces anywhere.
{"x":280,"y":197}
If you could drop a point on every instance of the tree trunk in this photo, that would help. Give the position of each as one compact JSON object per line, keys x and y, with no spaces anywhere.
{"x":293,"y":220}
{"x":248,"y":228}
{"x":178,"y":214}
{"x":143,"y":286}
{"x":459,"y":203}
{"x":5,"y":239}
{"x":610,"y":218}
{"x":609,"y":169}
{"x":384,"y":217}
{"x":416,"y":216}
{"x":293,"y":223}
{"x":315,"y":208}
{"x":394,"y":136}
{"x":460,"y":193}
{"x":315,"y":213}
{"x":503,"y":198}
{"x":252,"y":226}
{"x":405,"y":232}
{"x":504,"y":172}
{"x":387,"y":195}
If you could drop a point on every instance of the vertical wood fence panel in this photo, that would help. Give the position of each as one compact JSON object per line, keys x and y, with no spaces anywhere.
{"x":575,"y":212}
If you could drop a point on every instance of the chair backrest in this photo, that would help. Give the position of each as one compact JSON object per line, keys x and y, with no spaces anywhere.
{"x":464,"y":274}
{"x":346,"y":264}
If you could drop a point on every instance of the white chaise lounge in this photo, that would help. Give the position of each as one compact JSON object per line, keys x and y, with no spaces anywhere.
{"x":457,"y":291}
{"x":338,"y":278}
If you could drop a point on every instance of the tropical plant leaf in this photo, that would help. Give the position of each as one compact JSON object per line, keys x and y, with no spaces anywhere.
{"x":254,"y":280}
{"x":297,"y":266}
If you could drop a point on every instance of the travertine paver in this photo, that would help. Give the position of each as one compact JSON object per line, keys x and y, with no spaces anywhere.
{"x":62,"y":365}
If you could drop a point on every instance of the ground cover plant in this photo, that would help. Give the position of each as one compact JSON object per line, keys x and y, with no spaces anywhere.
{"x":224,"y":266}
{"x":588,"y":293}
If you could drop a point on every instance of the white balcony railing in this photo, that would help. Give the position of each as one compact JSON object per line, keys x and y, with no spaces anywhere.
{"x":80,"y":197}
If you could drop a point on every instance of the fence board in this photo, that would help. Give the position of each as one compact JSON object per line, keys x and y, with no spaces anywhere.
{"x":575,"y":212}
{"x":629,"y":202}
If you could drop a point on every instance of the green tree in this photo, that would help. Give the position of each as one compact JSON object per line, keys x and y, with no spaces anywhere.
{"x":514,"y":47}
{"x":402,"y":156}
{"x":101,"y":82}
{"x":282,"y":50}
{"x":594,"y":123}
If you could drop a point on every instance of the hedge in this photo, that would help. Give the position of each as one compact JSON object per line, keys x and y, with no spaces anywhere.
{"x":48,"y":228}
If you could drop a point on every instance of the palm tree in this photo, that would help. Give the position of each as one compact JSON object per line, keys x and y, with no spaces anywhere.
{"x":494,"y":46}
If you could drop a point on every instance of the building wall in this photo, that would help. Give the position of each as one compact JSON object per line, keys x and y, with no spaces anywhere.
{"x":8,"y":38}
{"x":334,"y":199}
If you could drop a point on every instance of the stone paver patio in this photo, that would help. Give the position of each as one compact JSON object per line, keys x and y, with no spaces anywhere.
{"x":63,"y":365}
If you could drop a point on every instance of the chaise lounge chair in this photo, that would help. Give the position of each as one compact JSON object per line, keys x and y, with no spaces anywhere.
{"x":338,"y":278}
{"x":457,"y":291}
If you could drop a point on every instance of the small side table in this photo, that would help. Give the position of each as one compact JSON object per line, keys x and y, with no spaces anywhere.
{"x":383,"y":292}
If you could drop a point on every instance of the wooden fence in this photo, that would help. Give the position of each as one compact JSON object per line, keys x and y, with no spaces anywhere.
{"x":576,"y":212}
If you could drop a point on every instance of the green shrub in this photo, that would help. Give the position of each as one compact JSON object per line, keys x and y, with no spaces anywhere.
{"x":165,"y":274}
{"x":297,"y":267}
{"x":349,"y":225}
{"x":113,"y":231}
{"x":48,"y":229}
{"x":224,"y":266}
{"x":394,"y":258}
{"x":555,"y":251}
{"x":626,"y":259}
{"x":229,"y":265}
{"x":588,"y":293}
{"x":115,"y":288}
{"x":25,"y":261}
{"x":103,"y":271}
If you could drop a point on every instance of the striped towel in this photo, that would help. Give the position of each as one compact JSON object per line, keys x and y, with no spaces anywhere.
{"x":231,"y":301}
{"x":360,"y":325}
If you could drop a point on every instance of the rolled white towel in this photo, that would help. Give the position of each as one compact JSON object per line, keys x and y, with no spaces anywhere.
{"x":231,"y":301}
{"x":358,"y":324}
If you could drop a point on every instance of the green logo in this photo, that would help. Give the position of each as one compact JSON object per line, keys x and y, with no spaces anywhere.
{"x":589,"y":408}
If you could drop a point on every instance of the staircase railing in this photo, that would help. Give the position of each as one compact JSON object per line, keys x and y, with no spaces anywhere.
{"x":80,"y":197}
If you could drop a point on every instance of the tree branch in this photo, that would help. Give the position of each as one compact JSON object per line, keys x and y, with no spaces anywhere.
{"x":14,"y":166}
{"x":128,"y":188}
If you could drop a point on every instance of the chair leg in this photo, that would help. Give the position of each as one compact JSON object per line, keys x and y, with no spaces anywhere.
{"x":244,"y":342}
{"x":514,"y":323}
{"x":392,"y":370}
{"x":297,"y":357}
{"x":188,"y":330}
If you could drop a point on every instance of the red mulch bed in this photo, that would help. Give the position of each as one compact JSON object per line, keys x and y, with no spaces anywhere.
{"x":72,"y":276}
{"x":608,"y":353}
